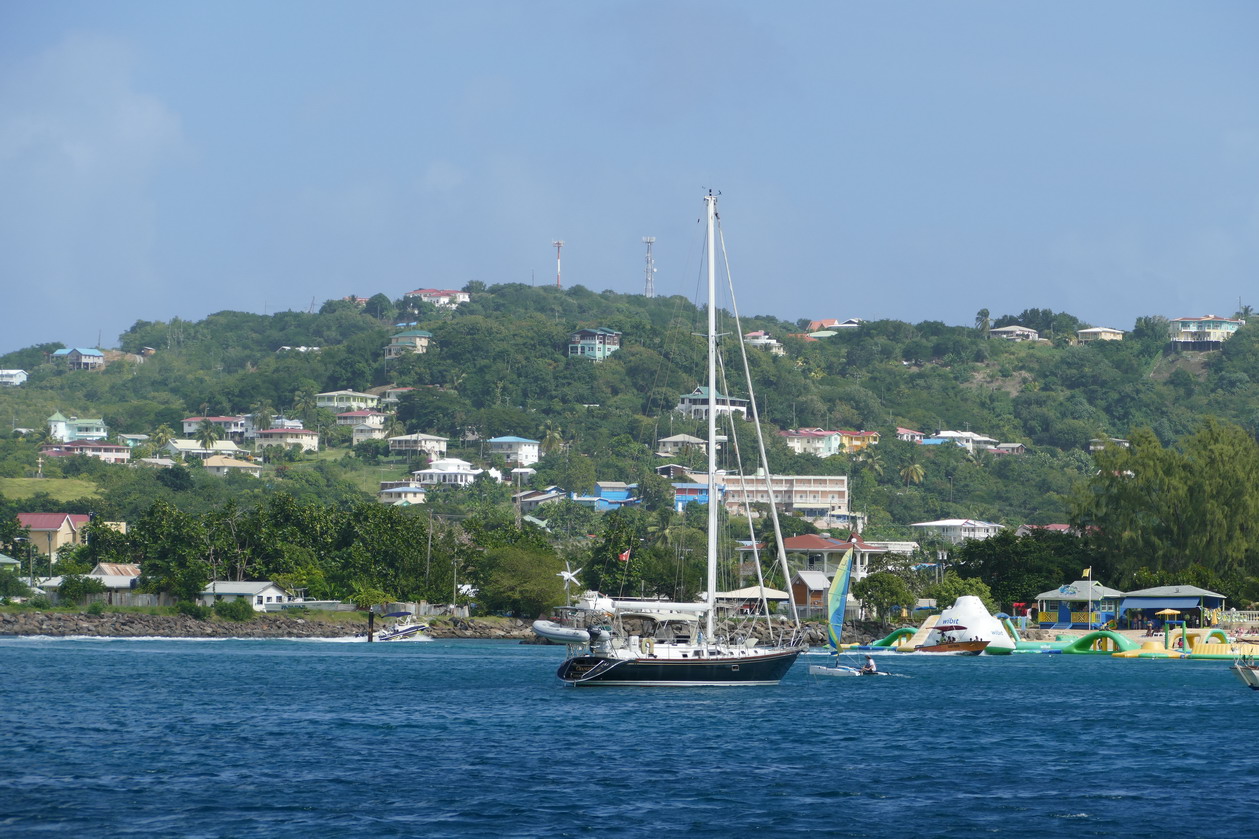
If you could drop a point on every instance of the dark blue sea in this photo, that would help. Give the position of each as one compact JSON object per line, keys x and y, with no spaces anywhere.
{"x":118,"y":738}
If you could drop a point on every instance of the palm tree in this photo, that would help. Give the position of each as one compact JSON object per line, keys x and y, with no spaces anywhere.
{"x":552,"y":440}
{"x":912,"y":472}
{"x":207,"y":434}
{"x":262,"y":415}
{"x":162,"y":435}
{"x":304,"y":404}
{"x":983,"y":321}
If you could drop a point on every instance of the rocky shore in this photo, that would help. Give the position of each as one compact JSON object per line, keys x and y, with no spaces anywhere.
{"x":139,"y":625}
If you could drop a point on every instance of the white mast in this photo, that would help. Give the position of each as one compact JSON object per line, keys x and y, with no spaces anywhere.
{"x":711,"y":201}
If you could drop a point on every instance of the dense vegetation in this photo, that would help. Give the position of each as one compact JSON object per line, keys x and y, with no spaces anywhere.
{"x":1179,"y":504}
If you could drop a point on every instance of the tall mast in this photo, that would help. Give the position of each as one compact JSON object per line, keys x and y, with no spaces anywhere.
{"x":711,"y":201}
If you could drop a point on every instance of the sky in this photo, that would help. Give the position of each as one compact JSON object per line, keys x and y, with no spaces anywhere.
{"x":907,"y":160}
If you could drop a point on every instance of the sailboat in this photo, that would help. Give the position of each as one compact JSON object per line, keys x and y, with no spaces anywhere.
{"x":836,"y":602}
{"x":650,"y":642}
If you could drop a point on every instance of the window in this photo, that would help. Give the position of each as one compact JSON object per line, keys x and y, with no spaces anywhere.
{"x":258,"y":599}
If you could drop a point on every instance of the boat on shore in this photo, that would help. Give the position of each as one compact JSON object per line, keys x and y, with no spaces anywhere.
{"x":659,"y":643}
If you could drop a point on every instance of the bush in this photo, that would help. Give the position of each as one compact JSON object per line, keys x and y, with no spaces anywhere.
{"x":96,"y":607}
{"x":234,"y":610}
{"x":193,"y":610}
{"x":39,"y":602}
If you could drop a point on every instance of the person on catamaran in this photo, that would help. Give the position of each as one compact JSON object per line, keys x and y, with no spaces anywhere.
{"x":869,"y":667}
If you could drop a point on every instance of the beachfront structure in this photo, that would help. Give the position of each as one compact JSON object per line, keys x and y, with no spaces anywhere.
{"x":1204,"y":333}
{"x":257,"y":593}
{"x":450,"y":471}
{"x":1098,"y":333}
{"x":69,"y":429}
{"x":596,"y":344}
{"x":99,"y":449}
{"x":12,"y":378}
{"x":679,"y":443}
{"x":695,"y":404}
{"x":518,"y":450}
{"x":1083,"y":604}
{"x":1198,"y":606}
{"x":346,"y":400}
{"x":959,"y":530}
{"x":409,"y":341}
{"x":1014,"y":333}
{"x":307,"y":439}
{"x":429,"y":444}
{"x":439,"y":297}
{"x":230,"y":427}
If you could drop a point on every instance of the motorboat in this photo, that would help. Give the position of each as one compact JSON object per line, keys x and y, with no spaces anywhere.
{"x":946,"y":643}
{"x":406,"y":628}
{"x":1247,"y":671}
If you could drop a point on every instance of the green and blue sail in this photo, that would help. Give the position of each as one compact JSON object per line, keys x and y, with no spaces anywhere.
{"x":837,"y":598}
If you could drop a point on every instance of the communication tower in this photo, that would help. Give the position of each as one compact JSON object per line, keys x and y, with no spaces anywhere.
{"x":558,"y":245}
{"x":649,"y":289}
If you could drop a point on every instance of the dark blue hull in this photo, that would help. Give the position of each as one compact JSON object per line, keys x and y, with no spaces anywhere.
{"x":766,"y":669}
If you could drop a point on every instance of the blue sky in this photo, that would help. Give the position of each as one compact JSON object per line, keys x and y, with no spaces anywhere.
{"x":910,"y":160}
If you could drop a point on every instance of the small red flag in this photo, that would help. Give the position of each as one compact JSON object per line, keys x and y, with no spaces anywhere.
{"x":624,"y":555}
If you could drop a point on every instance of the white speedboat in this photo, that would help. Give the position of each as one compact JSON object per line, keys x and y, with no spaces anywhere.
{"x":407,"y":628}
{"x":1247,"y":671}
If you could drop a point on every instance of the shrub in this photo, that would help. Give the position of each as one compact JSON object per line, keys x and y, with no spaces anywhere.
{"x":96,"y":607}
{"x":193,"y":610}
{"x":39,"y":602}
{"x":234,"y":610}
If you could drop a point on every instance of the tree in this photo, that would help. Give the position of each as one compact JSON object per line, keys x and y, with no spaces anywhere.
{"x":161,"y":435}
{"x":75,"y":588}
{"x":520,"y":581}
{"x":952,"y":586}
{"x":912,"y":473}
{"x":882,"y":591}
{"x":983,"y":322}
{"x":208,"y":433}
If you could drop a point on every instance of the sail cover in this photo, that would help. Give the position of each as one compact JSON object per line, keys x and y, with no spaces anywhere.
{"x":837,"y":598}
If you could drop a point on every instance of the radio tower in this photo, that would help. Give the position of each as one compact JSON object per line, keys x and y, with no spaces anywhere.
{"x":558,"y":244}
{"x":649,"y":290}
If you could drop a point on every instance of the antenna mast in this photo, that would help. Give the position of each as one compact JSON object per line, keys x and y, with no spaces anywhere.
{"x":649,"y":289}
{"x":558,"y":245}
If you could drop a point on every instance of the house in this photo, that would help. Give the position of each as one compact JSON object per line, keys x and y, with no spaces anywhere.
{"x":1203,"y":333}
{"x":695,"y":404}
{"x":393,"y":395}
{"x":823,"y":553}
{"x":257,"y":593}
{"x":441,"y":298}
{"x":1026,"y":529}
{"x":1081,"y":604}
{"x":811,"y":496}
{"x":307,"y":439}
{"x":346,"y":400}
{"x":815,"y":441}
{"x":678,"y":443}
{"x":855,"y":441}
{"x":80,"y":358}
{"x":402,"y":494}
{"x":1096,"y":444}
{"x":1098,"y":333}
{"x":959,"y":530}
{"x":968,"y":440}
{"x":763,"y":340}
{"x":685,"y":492}
{"x":108,"y":452}
{"x":429,"y":444}
{"x":232,"y":428}
{"x":133,"y":440}
{"x":909,"y":435}
{"x":180,"y":447}
{"x":518,"y":450}
{"x":277,"y":421}
{"x":1196,"y":605}
{"x":608,"y":495}
{"x":217,"y":464}
{"x":365,"y":431}
{"x":597,"y":343}
{"x":1007,"y":448}
{"x":1014,"y":333}
{"x":12,"y":378}
{"x":372,"y":418}
{"x":808,"y":590}
{"x":73,"y":428}
{"x":410,"y":341}
{"x":50,"y":532}
{"x":448,"y":472}
{"x":531,"y":499}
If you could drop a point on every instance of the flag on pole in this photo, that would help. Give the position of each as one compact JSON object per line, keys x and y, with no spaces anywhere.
{"x":1088,"y":572}
{"x":624,"y":555}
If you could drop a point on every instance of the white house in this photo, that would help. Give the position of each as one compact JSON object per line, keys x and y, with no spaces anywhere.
{"x":518,"y":450}
{"x":450,"y":472}
{"x":192,"y":448}
{"x":968,"y":440}
{"x":413,"y":341}
{"x":402,"y":495}
{"x":69,"y":429}
{"x":439,"y":297}
{"x":1206,"y":332}
{"x":1014,"y":333}
{"x":233,"y":427}
{"x":763,"y":340}
{"x":217,"y":464}
{"x":695,"y":404}
{"x":670,"y":446}
{"x":306,"y":438}
{"x":361,"y":433}
{"x":815,"y":441}
{"x":12,"y":378}
{"x":99,"y":449}
{"x":257,"y":593}
{"x":353,"y":418}
{"x":346,"y":400}
{"x":1099,"y":333}
{"x":429,"y":444}
{"x":958,"y":530}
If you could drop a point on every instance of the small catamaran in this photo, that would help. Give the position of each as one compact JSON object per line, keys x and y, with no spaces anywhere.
{"x":836,"y":602}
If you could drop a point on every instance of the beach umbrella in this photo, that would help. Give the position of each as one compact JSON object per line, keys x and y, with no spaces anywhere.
{"x":1167,"y":612}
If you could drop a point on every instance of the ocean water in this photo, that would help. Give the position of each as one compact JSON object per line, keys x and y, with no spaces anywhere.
{"x":120,"y":738}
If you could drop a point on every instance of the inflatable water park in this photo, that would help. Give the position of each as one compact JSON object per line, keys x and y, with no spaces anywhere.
{"x":968,"y":620}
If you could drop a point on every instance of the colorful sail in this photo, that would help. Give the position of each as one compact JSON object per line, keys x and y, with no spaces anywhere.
{"x":837,"y":598}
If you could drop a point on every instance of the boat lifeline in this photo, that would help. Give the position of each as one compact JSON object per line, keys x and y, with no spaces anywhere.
{"x":652,"y":642}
